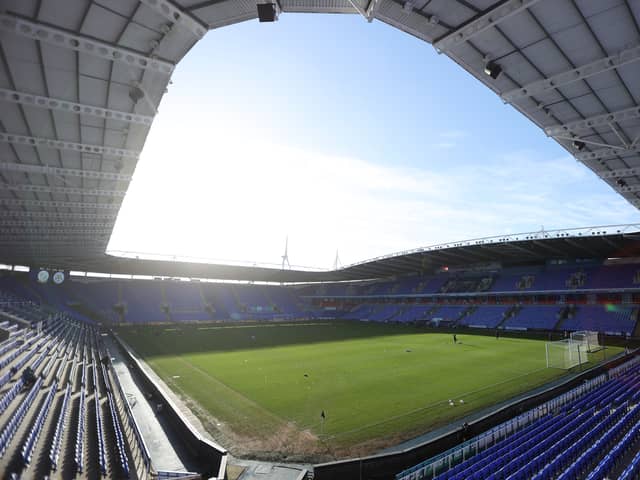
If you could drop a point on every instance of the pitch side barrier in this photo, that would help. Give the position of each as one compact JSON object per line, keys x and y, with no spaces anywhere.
{"x":448,"y":449}
{"x":212,"y":456}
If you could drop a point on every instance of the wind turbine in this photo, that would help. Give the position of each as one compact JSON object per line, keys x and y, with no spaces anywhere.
{"x":285,"y":257}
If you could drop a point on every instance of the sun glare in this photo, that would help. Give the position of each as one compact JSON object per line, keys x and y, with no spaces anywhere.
{"x":247,"y":152}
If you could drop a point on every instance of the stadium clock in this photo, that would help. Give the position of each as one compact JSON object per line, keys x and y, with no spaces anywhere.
{"x":43,"y":276}
{"x":58,"y":278}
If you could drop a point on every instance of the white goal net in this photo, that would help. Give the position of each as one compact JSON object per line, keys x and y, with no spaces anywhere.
{"x":588,"y":340}
{"x":565,"y":354}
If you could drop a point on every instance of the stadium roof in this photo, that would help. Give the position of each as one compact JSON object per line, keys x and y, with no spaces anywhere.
{"x":617,"y":241}
{"x":81,"y":80}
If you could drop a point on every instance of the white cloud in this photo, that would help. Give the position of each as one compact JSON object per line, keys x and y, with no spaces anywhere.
{"x":444,"y":145}
{"x":453,"y":134}
{"x":203,"y":189}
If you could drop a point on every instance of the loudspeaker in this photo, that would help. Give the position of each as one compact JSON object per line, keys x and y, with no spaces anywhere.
{"x":267,"y":12}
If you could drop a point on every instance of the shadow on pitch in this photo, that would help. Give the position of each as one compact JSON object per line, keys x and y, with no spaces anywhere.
{"x":178,"y":339}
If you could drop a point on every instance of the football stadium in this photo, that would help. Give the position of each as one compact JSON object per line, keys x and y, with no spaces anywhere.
{"x":498,"y":357}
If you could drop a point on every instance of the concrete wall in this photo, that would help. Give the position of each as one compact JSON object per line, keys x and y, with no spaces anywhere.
{"x":212,"y":456}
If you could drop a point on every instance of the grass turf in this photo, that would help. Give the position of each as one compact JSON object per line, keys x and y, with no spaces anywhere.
{"x":372,"y":381}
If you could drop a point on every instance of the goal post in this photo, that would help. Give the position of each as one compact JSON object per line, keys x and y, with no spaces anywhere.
{"x":565,"y":354}
{"x":588,"y":339}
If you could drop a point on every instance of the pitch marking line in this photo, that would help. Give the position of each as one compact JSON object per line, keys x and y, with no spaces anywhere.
{"x":426,"y":407}
{"x":214,"y":380}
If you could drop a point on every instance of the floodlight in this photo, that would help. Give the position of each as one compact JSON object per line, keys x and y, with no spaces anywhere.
{"x":267,"y":12}
{"x":578,"y":145}
{"x":135,"y":93}
{"x":493,"y":70}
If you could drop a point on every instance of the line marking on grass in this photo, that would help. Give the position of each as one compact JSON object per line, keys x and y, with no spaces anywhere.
{"x":216,"y":381}
{"x":275,"y":325}
{"x":431,"y":405}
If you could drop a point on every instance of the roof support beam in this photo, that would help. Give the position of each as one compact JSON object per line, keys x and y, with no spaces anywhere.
{"x":56,"y":215}
{"x":63,"y":172}
{"x":474,"y":253}
{"x":619,"y":173}
{"x":62,"y":234}
{"x":548,"y":247}
{"x":372,"y":8}
{"x":54,"y":224}
{"x":405,"y":261}
{"x":39,"y":142}
{"x":358,"y":8}
{"x":580,"y":73}
{"x":479,"y":24}
{"x":46,"y":245}
{"x":176,"y":16}
{"x":79,"y":43}
{"x":55,"y":204}
{"x":56,"y":231}
{"x":411,"y":22}
{"x":608,"y":241}
{"x":606,"y":153}
{"x":377,"y":269}
{"x":582,"y":246}
{"x":628,"y":188}
{"x":593,"y":122}
{"x":47,"y":238}
{"x":58,"y":104}
{"x":448,"y":252}
{"x":96,"y":192}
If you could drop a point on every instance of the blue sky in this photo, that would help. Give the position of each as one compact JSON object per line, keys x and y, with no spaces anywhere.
{"x":341,"y":135}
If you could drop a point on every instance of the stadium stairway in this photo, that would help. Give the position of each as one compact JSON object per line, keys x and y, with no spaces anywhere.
{"x":40,"y":422}
{"x":636,"y":330}
{"x":563,"y":314}
{"x":510,"y":313}
{"x":465,"y":314}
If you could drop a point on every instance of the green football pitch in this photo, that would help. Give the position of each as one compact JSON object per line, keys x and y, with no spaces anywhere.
{"x":376,"y":384}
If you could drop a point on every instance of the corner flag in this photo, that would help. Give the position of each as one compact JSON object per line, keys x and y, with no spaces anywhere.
{"x":322,"y":415}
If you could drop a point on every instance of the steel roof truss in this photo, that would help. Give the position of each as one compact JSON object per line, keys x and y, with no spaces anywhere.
{"x":487,"y":20}
{"x":46,"y":243}
{"x":58,"y":204}
{"x":63,"y":190}
{"x":580,"y":246}
{"x":53,"y":224}
{"x":80,"y":43}
{"x":549,"y":248}
{"x":372,"y":8}
{"x":593,"y":122}
{"x":607,"y":153}
{"x":516,"y":247}
{"x":38,"y":142}
{"x":584,"y":140}
{"x":628,"y":188}
{"x":54,"y":231}
{"x":609,"y":242}
{"x":176,"y":16}
{"x":56,"y":215}
{"x":64,"y":172}
{"x":580,"y":73}
{"x":619,"y":173}
{"x":29,"y":99}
